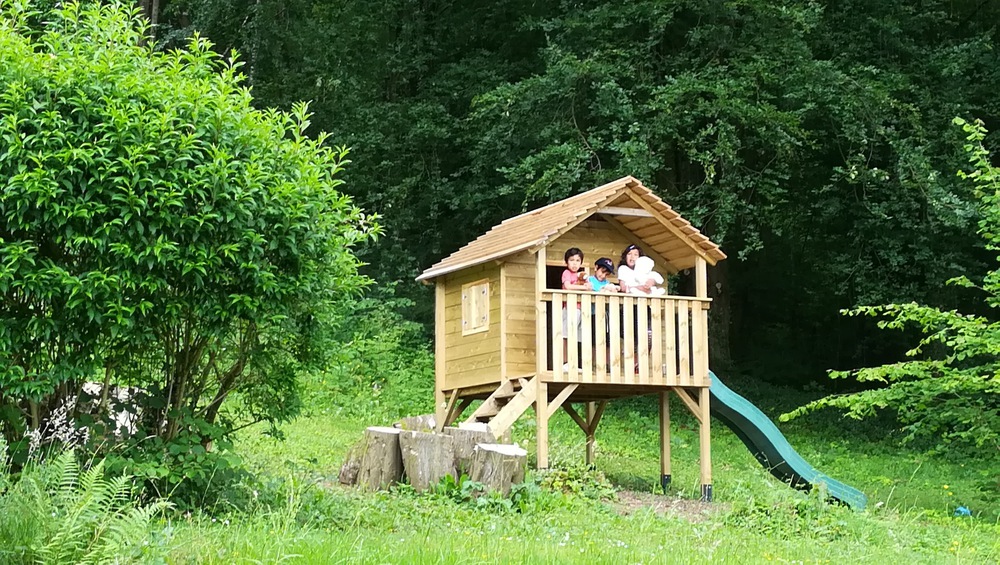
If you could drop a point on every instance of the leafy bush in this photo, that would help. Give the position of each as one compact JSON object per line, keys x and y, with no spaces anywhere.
{"x":949,"y":393}
{"x":577,"y":480}
{"x":160,"y":237}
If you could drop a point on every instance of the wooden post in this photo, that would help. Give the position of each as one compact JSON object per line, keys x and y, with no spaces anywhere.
{"x":701,"y":277}
{"x":591,"y":411}
{"x":665,"y":440}
{"x":700,"y":335}
{"x":440,"y":405}
{"x":542,"y":424}
{"x":541,"y":339}
{"x":705,"y":441}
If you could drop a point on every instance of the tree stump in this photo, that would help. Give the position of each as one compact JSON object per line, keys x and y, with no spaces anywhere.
{"x":381,"y":462}
{"x":465,"y":443}
{"x":421,"y":423}
{"x":352,"y":464}
{"x":498,"y":466}
{"x":427,"y":458}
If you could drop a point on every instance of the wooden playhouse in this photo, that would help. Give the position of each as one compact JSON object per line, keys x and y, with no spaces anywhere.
{"x":499,"y":331}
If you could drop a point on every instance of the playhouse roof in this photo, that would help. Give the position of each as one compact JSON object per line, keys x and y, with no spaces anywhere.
{"x":625,"y":203}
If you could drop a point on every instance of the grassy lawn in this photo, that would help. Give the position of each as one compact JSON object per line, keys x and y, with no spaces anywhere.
{"x":301,"y":515}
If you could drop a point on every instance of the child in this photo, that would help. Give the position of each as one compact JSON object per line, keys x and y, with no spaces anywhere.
{"x":627,"y":280}
{"x":599,"y":280}
{"x":573,"y":278}
{"x":599,"y":283}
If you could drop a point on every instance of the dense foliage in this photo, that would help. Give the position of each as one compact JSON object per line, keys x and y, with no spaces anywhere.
{"x":811,"y":139}
{"x":950,"y":392}
{"x":161,"y":238}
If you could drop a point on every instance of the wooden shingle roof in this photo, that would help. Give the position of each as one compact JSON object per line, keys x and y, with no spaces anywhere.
{"x":633,"y":206}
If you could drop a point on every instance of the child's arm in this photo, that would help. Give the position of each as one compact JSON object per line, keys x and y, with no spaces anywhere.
{"x":570,"y":281}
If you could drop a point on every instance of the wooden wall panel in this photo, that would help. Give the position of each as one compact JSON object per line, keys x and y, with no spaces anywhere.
{"x":473,"y":359}
{"x":595,"y":238}
{"x":519,"y":315}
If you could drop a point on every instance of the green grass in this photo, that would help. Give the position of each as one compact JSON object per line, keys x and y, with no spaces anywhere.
{"x":292,"y":509}
{"x":299,"y":514}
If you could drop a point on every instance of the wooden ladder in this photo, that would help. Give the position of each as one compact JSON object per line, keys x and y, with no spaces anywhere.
{"x":505,"y":405}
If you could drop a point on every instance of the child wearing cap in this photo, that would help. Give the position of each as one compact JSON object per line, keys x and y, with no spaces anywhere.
{"x":599,"y":280}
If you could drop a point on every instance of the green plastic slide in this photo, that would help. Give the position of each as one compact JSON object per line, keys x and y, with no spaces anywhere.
{"x":771,"y":448}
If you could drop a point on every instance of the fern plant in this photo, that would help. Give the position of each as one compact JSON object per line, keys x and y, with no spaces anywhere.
{"x":58,"y":513}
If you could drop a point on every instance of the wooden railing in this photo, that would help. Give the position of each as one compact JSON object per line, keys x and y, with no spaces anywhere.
{"x":626,"y":339}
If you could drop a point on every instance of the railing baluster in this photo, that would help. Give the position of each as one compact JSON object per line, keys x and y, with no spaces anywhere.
{"x":628,"y":358}
{"x":643,"y":340}
{"x":601,"y":338}
{"x":558,"y":303}
{"x":615,"y":321}
{"x":656,"y":353}
{"x":586,"y":340}
{"x":572,"y":336}
{"x":700,"y":372}
{"x":670,"y":339}
{"x":684,"y":356}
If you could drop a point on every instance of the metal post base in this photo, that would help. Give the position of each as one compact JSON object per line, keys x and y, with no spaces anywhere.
{"x":665,"y":482}
{"x":706,"y":493}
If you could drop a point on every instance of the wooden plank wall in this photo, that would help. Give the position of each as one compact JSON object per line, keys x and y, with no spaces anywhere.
{"x":596,"y":238}
{"x":518,"y":274}
{"x":473,"y":359}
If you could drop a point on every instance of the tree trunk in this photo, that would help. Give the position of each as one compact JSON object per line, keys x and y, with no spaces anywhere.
{"x":427,"y":458}
{"x":498,"y":466}
{"x":381,"y":463}
{"x":465,"y":444}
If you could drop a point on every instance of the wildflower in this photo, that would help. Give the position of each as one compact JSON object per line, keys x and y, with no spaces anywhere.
{"x":945,"y":487}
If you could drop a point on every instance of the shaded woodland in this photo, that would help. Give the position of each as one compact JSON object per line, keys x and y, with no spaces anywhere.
{"x":812,"y":139}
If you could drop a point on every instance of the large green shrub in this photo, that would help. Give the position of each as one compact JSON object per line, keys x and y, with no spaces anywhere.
{"x":949,"y":392}
{"x":159,"y":236}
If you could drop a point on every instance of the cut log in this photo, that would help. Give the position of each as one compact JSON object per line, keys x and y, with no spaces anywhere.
{"x":352,"y":464}
{"x":421,"y":423}
{"x":465,"y":443}
{"x":381,"y":462}
{"x":498,"y":466}
{"x":483,"y":426}
{"x":427,"y":458}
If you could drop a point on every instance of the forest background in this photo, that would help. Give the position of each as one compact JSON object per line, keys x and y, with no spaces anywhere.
{"x":813,"y":140}
{"x":816,"y":142}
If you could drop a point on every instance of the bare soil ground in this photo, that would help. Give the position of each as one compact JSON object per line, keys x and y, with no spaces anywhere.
{"x":691,"y":510}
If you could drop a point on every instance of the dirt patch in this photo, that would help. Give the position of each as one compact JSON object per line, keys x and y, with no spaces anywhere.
{"x":691,"y":510}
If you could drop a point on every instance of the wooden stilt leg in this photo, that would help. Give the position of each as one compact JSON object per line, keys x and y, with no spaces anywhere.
{"x":665,"y":440}
{"x":542,"y":424}
{"x":705,"y":439}
{"x":440,"y":409}
{"x":591,"y":410}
